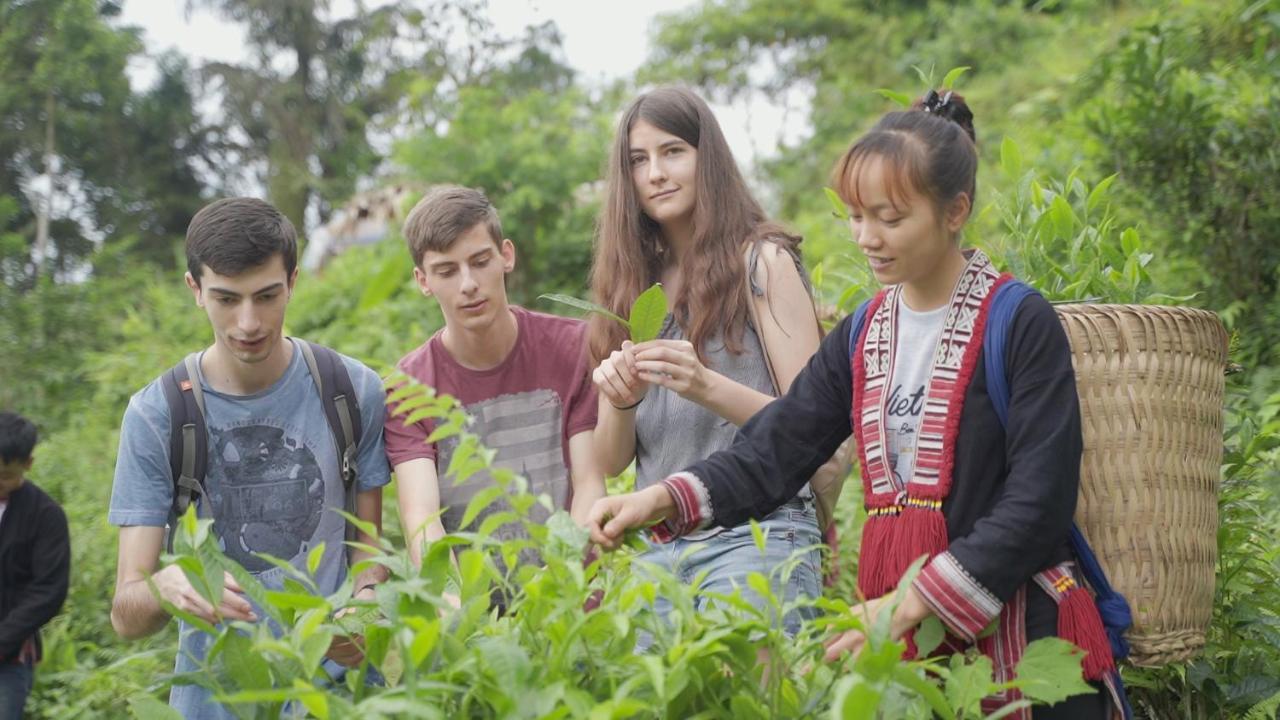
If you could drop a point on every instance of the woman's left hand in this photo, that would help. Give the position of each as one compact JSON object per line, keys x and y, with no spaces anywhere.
{"x":673,"y":364}
{"x":910,"y":612}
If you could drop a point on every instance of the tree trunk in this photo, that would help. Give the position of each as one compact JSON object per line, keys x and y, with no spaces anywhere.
{"x":44,"y":208}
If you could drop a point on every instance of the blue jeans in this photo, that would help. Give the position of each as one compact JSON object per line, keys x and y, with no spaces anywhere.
{"x":729,"y":557}
{"x":15,"y":685}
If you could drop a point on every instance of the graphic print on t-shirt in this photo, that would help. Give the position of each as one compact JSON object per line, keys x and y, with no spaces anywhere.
{"x":524,"y":431}
{"x":903,"y":411}
{"x":269,"y":491}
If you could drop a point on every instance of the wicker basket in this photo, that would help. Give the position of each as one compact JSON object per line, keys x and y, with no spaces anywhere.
{"x":1150,"y":380}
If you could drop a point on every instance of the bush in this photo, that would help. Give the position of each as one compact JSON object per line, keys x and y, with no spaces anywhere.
{"x":547,"y":656}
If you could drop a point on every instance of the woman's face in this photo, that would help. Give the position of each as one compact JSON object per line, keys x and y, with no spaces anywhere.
{"x":663,"y":168}
{"x":906,"y":243}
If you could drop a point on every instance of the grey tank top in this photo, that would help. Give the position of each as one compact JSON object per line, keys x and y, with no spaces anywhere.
{"x":672,"y":433}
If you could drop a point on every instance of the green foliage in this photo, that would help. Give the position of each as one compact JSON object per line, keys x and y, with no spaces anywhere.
{"x":1062,"y":238}
{"x":546,"y":656}
{"x":536,"y":152}
{"x":123,"y":163}
{"x":1239,"y":671}
{"x":308,"y":126}
{"x":366,"y":304}
{"x":1187,"y":110}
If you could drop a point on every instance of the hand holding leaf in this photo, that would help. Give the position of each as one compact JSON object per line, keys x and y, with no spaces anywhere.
{"x":617,"y":378}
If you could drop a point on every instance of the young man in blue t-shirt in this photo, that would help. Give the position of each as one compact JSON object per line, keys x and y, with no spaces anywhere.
{"x":272,"y":483}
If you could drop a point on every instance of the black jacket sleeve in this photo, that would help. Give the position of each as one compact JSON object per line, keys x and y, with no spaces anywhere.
{"x":42,"y":598}
{"x":1031,"y":518}
{"x":776,"y":452}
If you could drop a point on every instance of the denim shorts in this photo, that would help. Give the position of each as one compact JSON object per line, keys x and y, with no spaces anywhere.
{"x":727,"y":559}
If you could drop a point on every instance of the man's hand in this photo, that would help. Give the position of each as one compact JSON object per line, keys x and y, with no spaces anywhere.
{"x":175,"y":589}
{"x":610,"y":517}
{"x":348,"y":650}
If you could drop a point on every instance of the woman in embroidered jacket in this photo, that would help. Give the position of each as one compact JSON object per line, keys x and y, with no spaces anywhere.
{"x":677,"y":211}
{"x":942,"y":477}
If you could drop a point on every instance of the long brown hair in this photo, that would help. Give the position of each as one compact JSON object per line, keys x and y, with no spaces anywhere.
{"x":630,"y":250}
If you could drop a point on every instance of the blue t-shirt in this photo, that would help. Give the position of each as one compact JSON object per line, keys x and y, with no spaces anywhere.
{"x":272,"y":484}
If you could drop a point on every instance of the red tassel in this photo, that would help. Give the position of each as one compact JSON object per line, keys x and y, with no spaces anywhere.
{"x":920,"y":531}
{"x":1080,"y":624}
{"x":873,"y":556}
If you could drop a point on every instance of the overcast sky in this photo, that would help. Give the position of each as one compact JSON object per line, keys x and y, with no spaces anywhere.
{"x":752,"y":127}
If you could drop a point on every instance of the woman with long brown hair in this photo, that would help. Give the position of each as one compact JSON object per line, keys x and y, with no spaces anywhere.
{"x":740,"y":326}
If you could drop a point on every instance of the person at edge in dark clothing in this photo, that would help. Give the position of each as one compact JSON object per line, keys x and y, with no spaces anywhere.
{"x":942,"y":478}
{"x":35,"y":563}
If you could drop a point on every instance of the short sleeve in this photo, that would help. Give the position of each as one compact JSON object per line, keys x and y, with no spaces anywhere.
{"x":406,"y":442}
{"x":142,"y":490}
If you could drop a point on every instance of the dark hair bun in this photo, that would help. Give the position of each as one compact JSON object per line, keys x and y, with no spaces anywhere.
{"x":948,"y":105}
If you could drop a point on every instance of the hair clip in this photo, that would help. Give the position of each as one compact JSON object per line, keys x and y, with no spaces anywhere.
{"x":933,"y":103}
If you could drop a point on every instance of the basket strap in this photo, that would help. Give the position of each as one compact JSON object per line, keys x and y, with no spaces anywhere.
{"x":1112,"y":606}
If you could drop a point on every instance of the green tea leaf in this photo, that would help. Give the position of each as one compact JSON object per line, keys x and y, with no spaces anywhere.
{"x":969,"y":683}
{"x":837,"y":208}
{"x":247,"y":668}
{"x":1049,"y":671}
{"x":757,"y":534}
{"x":149,"y":708}
{"x":1010,"y":156}
{"x":383,"y":285}
{"x":928,"y":636}
{"x":950,"y":78}
{"x":902,"y":99}
{"x":907,"y":678}
{"x":581,"y":304}
{"x":926,"y":78}
{"x":647,"y":314}
{"x":855,"y":700}
{"x":314,"y":557}
{"x":1099,"y":193}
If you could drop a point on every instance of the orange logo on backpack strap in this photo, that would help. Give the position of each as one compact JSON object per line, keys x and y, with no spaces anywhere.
{"x":185,"y":385}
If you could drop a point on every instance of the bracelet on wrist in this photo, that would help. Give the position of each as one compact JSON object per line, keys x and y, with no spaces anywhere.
{"x":367,"y":586}
{"x":632,"y":406}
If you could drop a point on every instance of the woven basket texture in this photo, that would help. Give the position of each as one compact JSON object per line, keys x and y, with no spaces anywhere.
{"x":1150,"y":380}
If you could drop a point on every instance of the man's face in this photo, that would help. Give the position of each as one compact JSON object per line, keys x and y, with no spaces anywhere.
{"x":246,"y":310}
{"x":12,"y":475}
{"x":469,"y":279}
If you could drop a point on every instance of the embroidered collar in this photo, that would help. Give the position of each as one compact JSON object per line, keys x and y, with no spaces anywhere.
{"x":906,"y":522}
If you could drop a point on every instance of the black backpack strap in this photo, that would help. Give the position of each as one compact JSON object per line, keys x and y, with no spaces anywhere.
{"x":188,"y":438}
{"x":341,"y":409}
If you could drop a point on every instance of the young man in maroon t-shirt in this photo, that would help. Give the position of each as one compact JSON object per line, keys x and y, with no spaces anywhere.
{"x":522,"y":376}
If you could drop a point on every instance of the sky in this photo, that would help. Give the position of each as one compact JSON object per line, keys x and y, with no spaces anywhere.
{"x":752,"y":126}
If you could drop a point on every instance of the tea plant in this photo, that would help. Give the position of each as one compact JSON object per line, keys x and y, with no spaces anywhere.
{"x":546,"y":656}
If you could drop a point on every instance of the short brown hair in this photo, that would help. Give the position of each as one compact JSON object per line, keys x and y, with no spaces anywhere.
{"x":443,"y":215}
{"x":232,"y":235}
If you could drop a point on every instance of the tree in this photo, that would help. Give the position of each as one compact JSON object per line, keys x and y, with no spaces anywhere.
{"x":309,"y":98}
{"x":114,"y":166}
{"x":64,"y":84}
{"x":535,"y":142}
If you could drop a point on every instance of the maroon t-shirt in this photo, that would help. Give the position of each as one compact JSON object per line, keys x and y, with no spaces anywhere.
{"x":525,"y":409}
